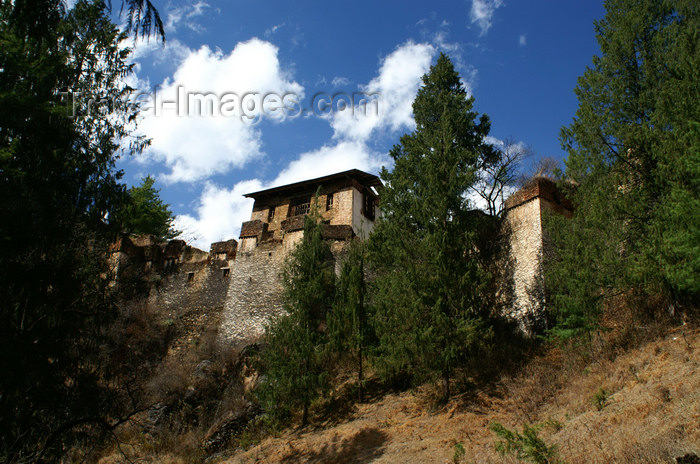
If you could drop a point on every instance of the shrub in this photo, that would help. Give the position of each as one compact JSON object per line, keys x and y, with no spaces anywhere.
{"x":526,"y":446}
{"x":459,"y":453}
{"x":600,"y":399}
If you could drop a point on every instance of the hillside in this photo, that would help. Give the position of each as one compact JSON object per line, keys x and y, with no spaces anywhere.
{"x":649,"y":413}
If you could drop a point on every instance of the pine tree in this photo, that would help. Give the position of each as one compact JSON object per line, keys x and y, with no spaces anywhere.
{"x":633,"y":158}
{"x":349,"y":323}
{"x":430,"y":284}
{"x":146,"y":213}
{"x":294,"y":360}
{"x":59,"y":191}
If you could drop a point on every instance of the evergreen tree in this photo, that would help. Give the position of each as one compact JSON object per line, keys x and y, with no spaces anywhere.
{"x":294,"y":360}
{"x":146,"y":213}
{"x":58,"y":189}
{"x":430,"y":284}
{"x":348,"y":324}
{"x":634,"y":160}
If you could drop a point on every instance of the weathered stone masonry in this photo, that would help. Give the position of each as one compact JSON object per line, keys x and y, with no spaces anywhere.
{"x":524,"y":211}
{"x":237,"y":285}
{"x":179,"y":281}
{"x":347,"y":203}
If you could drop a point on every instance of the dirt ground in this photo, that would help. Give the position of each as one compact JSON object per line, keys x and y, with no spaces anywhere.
{"x":642,"y":407}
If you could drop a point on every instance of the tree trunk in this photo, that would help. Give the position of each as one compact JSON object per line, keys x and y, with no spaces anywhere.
{"x":446,"y":383}
{"x":305,"y":415}
{"x":359,"y":374}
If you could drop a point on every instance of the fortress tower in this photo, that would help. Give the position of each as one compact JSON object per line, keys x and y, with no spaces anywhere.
{"x":239,"y":283}
{"x":528,"y":243}
{"x":348,"y":204}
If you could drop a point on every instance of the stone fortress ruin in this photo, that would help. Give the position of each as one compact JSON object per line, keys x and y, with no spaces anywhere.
{"x":239,"y":284}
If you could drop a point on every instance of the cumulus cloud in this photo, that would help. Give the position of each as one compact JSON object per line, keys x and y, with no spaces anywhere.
{"x":482,"y":12}
{"x":397,"y":82}
{"x":195,"y":141}
{"x":218,"y":214}
{"x":522,"y":40}
{"x":396,"y":85}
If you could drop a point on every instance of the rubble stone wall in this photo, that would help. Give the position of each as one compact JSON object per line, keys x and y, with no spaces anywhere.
{"x":239,"y":284}
{"x":254,"y":294}
{"x":524,"y":223}
{"x":255,"y":290}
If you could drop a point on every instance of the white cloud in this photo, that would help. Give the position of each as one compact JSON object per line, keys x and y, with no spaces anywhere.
{"x":185,"y":15}
{"x":172,"y":51}
{"x":482,"y":12}
{"x":329,"y":159}
{"x":522,"y":40}
{"x":219,"y":214}
{"x":272,"y":30}
{"x":197,"y":146}
{"x":397,"y":83}
{"x":340,"y":81}
{"x":501,"y":144}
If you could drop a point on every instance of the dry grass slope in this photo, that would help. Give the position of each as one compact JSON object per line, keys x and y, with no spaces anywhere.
{"x":643,"y":406}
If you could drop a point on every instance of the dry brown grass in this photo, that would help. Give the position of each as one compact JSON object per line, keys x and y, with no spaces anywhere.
{"x":651,"y":413}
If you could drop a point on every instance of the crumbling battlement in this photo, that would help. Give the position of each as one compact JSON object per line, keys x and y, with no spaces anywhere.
{"x":238,"y":285}
{"x":145,"y":253}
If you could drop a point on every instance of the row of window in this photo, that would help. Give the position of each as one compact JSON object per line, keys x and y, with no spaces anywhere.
{"x":302,"y":206}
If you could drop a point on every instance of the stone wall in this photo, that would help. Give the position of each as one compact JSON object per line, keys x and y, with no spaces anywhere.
{"x":239,"y":286}
{"x":180,"y":283}
{"x":524,"y":223}
{"x":527,"y":240}
{"x":255,"y":292}
{"x":198,"y":286}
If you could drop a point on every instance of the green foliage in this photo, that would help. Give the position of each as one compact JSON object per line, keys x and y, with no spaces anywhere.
{"x":348,"y":324}
{"x":58,"y":187}
{"x":525,"y":446}
{"x":633,"y":156}
{"x":145,"y":213}
{"x":430,"y":284}
{"x":459,"y":454}
{"x":600,"y":399}
{"x":294,"y":360}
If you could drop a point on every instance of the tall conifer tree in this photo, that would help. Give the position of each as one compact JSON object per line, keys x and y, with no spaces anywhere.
{"x":429,"y":286}
{"x":633,"y":156}
{"x":349,"y":325}
{"x":294,"y":358}
{"x":59,"y":191}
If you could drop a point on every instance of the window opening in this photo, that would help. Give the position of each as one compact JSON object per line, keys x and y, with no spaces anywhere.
{"x":368,"y":207}
{"x":300,"y":206}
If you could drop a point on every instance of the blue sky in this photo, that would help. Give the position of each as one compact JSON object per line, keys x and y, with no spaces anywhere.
{"x":519,"y":58}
